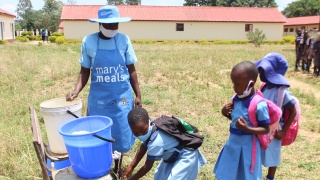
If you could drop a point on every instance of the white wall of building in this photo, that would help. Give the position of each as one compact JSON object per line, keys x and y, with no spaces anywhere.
{"x":160,"y":30}
{"x":6,"y":27}
{"x":291,"y":30}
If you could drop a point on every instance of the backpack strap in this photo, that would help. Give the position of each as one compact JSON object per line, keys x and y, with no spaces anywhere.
{"x":281,"y":93}
{"x":253,"y":119}
{"x":152,"y":136}
{"x":262,"y":86}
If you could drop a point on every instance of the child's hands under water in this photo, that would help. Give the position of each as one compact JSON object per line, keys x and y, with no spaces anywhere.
{"x":242,"y":124}
{"x":227,"y":109}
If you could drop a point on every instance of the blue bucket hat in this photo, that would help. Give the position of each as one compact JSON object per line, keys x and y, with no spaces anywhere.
{"x":275,"y":67}
{"x":109,"y":14}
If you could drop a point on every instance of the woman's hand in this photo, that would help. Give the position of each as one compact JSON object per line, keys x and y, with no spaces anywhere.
{"x":137,"y":102}
{"x":71,"y":96}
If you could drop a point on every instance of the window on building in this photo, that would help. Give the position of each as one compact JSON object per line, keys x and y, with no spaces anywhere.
{"x":285,"y":30}
{"x":3,"y":28}
{"x":291,"y":29}
{"x":179,"y":27}
{"x":248,"y":27}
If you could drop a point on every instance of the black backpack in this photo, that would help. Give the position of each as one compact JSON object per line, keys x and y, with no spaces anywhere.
{"x":185,"y":133}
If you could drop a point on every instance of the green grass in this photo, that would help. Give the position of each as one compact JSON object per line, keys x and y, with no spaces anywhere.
{"x":190,"y":81}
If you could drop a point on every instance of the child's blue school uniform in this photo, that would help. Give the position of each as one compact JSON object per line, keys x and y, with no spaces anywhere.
{"x":272,"y":155}
{"x":165,"y":147}
{"x":234,"y":161}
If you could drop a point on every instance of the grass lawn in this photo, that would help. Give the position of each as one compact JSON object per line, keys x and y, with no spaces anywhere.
{"x":190,"y":81}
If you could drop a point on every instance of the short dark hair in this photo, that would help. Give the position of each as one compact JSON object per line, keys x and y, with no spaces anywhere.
{"x":138,"y":115}
{"x":249,"y":68}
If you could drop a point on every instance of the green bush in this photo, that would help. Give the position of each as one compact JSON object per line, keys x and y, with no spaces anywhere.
{"x":27,"y":33}
{"x":289,"y":39}
{"x":31,"y":38}
{"x":191,"y":42}
{"x":38,"y":38}
{"x":22,"y":39}
{"x":274,"y":42}
{"x":56,"y":34}
{"x":60,"y":40}
{"x":24,"y":33}
{"x":52,"y":39}
{"x":256,"y":37}
{"x":3,"y":41}
{"x":73,"y":41}
{"x":230,"y":42}
{"x":204,"y":42}
{"x":144,"y":41}
{"x":165,"y":42}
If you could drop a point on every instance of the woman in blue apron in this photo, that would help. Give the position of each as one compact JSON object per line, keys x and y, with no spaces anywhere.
{"x":109,"y":57}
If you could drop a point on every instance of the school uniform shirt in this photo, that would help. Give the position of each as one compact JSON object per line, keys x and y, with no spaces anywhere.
{"x":163,"y":146}
{"x":272,"y":155}
{"x":234,"y":161}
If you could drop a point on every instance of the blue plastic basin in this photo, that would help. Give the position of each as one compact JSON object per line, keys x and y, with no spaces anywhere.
{"x":90,"y":157}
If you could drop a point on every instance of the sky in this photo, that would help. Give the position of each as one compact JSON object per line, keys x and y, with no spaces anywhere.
{"x":11,"y":5}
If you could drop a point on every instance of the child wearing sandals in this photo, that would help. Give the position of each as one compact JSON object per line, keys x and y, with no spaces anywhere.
{"x":237,"y":160}
{"x":272,"y":69}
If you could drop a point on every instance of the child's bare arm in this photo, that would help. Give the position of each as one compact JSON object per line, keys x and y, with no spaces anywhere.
{"x":281,"y":133}
{"x":139,"y":155}
{"x":261,"y":129}
{"x":143,"y":170}
{"x":227,"y":109}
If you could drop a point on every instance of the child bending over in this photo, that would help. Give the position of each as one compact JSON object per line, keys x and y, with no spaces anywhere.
{"x":177,"y":163}
{"x":272,"y":69}
{"x":237,"y":160}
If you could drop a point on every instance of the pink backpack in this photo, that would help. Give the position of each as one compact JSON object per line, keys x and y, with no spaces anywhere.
{"x":292,"y":132}
{"x":274,"y":114}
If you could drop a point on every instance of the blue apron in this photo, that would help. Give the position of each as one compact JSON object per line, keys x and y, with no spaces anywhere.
{"x":111,"y":95}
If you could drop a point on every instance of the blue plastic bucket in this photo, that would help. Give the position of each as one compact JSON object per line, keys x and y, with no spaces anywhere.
{"x":90,"y":156}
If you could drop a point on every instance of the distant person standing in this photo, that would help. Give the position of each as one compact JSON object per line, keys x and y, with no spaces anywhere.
{"x":316,"y":48}
{"x":43,"y":34}
{"x":298,"y":48}
{"x":49,"y":34}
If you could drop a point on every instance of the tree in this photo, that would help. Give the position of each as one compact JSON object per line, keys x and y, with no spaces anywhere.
{"x":257,"y":37}
{"x":49,"y":16}
{"x":232,"y":3}
{"x":133,"y":2}
{"x":201,"y":3}
{"x":124,"y":2}
{"x":115,"y":2}
{"x":24,"y":8}
{"x":302,"y":8}
{"x":24,"y":14}
{"x":72,"y":2}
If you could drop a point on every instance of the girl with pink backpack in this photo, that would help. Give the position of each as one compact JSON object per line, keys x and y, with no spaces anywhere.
{"x":240,"y":156}
{"x":272,"y":69}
